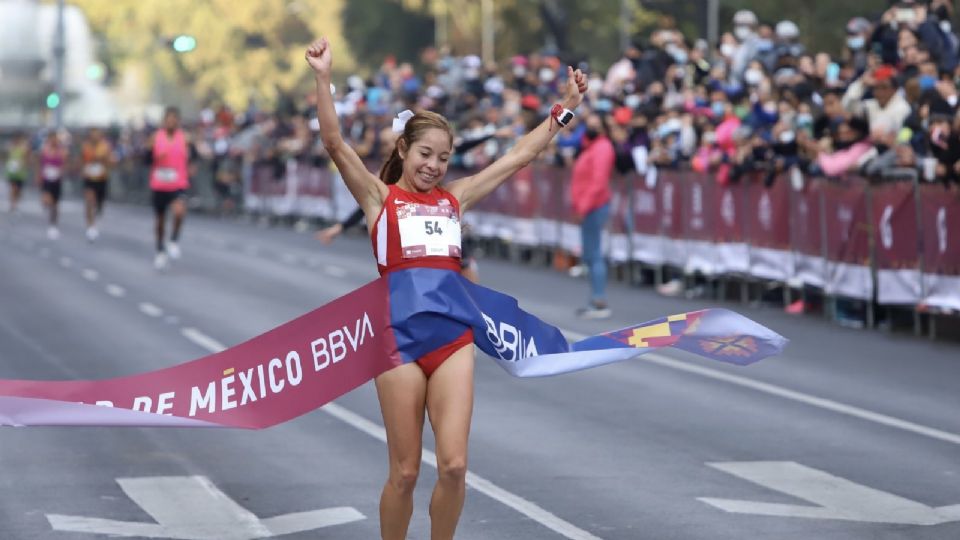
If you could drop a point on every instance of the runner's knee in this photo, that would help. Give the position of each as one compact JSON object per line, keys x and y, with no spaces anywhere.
{"x":452,"y":469}
{"x":404,"y":477}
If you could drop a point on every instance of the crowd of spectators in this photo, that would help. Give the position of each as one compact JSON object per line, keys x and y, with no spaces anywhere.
{"x":756,"y":101}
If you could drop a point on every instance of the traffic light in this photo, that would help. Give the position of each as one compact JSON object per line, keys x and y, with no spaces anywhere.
{"x":53,"y":100}
{"x":184,"y":43}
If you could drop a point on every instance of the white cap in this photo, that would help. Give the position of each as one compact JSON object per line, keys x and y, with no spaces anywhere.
{"x":744,"y":17}
{"x":787,"y":30}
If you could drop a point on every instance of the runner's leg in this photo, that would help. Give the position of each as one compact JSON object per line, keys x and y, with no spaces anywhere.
{"x":450,"y":406}
{"x":402,"y":392}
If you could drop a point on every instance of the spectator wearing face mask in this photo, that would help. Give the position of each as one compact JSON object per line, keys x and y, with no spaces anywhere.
{"x":745,"y":30}
{"x":590,"y":195}
{"x":856,"y":47}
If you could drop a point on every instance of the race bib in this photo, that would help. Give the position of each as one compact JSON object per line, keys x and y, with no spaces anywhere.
{"x":94,"y":170}
{"x":166,"y":174}
{"x":14,"y":166}
{"x":51,"y":173}
{"x":428,"y":231}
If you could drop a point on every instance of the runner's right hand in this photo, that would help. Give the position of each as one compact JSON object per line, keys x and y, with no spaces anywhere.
{"x":319,"y":57}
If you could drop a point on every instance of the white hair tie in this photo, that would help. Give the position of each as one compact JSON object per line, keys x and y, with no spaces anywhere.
{"x":400,"y":122}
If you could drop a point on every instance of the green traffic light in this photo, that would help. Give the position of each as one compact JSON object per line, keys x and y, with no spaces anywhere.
{"x":184,"y":43}
{"x":53,"y":100}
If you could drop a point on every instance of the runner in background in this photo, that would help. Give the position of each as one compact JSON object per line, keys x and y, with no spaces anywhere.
{"x":97,"y":158}
{"x":15,"y":167}
{"x":53,"y":160}
{"x":169,"y":152}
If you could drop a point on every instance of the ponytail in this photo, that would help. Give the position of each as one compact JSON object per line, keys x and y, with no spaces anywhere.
{"x":392,"y":169}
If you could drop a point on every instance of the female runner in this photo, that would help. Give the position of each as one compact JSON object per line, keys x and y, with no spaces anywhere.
{"x":415,"y":223}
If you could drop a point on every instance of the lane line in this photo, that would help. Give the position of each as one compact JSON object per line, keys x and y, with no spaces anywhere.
{"x":116,"y":291}
{"x":149,"y":309}
{"x":203,"y":340}
{"x":90,"y":274}
{"x":488,"y":488}
{"x":66,"y":262}
{"x":792,"y":395}
{"x":335,"y":271}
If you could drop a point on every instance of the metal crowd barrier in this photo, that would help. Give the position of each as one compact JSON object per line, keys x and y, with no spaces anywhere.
{"x":892,"y":242}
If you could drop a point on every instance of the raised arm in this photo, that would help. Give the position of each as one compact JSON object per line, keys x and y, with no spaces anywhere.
{"x":366,"y":188}
{"x":471,"y":189}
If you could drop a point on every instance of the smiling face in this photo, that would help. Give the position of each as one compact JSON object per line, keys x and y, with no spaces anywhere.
{"x":425,"y":161}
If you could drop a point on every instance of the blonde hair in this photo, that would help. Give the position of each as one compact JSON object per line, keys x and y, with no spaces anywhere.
{"x":416,"y":126}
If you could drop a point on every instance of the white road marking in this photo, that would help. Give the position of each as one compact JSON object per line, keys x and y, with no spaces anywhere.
{"x":90,"y":274}
{"x":488,"y":488}
{"x":835,"y":497}
{"x":116,"y":291}
{"x":149,"y":309}
{"x":478,"y":483}
{"x":193,"y":508}
{"x":792,"y":395}
{"x":202,"y":340}
{"x":335,"y":271}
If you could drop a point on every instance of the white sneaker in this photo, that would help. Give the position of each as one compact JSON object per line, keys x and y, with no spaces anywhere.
{"x":160,"y":261}
{"x":576,"y":271}
{"x":92,"y":234}
{"x":53,"y":233}
{"x":173,"y":249}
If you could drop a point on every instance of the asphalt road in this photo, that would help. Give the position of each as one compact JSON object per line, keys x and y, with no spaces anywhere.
{"x":848,"y":435}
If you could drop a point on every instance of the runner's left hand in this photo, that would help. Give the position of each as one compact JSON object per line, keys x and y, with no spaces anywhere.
{"x":576,"y":88}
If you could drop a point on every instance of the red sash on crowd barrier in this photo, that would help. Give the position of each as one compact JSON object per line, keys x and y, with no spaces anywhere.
{"x":940,"y":215}
{"x":898,"y":259}
{"x":646,"y":240}
{"x":806,"y":211}
{"x":848,"y":250}
{"x":671,"y":195}
{"x":699,"y":211}
{"x":768,"y":229}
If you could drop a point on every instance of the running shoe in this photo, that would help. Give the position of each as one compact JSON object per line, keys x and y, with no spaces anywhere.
{"x":160,"y":261}
{"x":92,"y":234}
{"x":53,"y":233}
{"x":173,"y":250}
{"x":594,"y":311}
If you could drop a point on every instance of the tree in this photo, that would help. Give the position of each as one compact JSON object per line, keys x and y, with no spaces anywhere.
{"x":249,"y":49}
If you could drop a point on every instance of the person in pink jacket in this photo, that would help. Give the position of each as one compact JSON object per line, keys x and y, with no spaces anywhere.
{"x":590,"y":194}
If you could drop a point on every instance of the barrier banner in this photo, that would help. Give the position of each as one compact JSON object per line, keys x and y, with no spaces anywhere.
{"x":699,"y":223}
{"x":305,"y":363}
{"x":671,"y":194}
{"x":552,"y":198}
{"x":315,"y":191}
{"x":898,"y":259}
{"x":768,"y":228}
{"x":524,"y":203}
{"x":647,"y":242}
{"x":733,"y":254}
{"x":806,"y":211}
{"x":940,"y":218}
{"x":848,"y":250}
{"x":618,"y":231}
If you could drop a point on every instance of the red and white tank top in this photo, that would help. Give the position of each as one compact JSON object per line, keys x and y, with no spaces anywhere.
{"x":417,"y":230}
{"x":170,"y":157}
